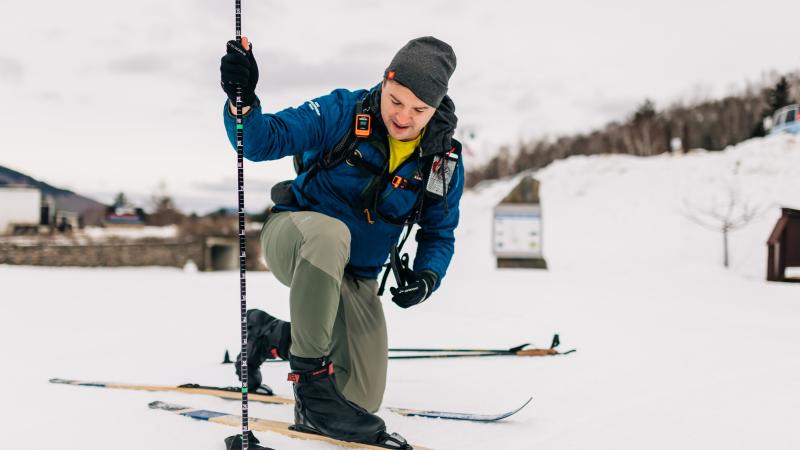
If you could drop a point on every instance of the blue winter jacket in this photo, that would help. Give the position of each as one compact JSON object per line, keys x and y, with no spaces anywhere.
{"x":316,"y":127}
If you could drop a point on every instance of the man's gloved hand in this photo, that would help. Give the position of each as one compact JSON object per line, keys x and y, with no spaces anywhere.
{"x":239,"y":68}
{"x":419,"y":286}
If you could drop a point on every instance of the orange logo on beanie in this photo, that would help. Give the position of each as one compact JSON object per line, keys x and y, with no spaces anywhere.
{"x":390,"y":75}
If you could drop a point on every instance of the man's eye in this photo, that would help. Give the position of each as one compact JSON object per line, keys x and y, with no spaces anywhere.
{"x":419,"y":110}
{"x":395,"y":102}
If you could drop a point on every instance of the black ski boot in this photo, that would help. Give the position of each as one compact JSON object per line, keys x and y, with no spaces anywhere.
{"x":321,"y":409}
{"x":267,"y":338}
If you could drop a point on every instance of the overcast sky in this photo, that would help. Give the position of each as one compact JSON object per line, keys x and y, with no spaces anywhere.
{"x":109,"y":96}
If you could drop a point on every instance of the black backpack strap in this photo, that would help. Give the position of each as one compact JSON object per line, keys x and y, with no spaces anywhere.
{"x":355,"y":159}
{"x":395,"y":252}
{"x":341,"y":151}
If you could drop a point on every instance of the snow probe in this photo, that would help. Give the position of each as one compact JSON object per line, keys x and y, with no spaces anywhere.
{"x":241,"y":441}
{"x":232,"y":393}
{"x":274,"y":426}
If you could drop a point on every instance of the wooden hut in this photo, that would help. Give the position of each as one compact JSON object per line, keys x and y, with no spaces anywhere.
{"x":783,"y":246}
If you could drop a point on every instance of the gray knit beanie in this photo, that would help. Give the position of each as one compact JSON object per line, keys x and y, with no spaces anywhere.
{"x":424,"y":65}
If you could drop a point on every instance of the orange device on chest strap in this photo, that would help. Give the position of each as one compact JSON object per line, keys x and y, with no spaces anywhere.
{"x":363,"y":125}
{"x":399,"y":182}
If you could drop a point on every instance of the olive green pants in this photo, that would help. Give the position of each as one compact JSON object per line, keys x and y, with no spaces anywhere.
{"x":332,"y":314}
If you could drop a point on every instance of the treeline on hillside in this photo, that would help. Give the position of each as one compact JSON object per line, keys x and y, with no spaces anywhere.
{"x":711,"y":124}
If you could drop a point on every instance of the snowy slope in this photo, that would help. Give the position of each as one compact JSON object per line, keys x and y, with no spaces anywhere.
{"x":630,"y":211}
{"x":673,"y":351}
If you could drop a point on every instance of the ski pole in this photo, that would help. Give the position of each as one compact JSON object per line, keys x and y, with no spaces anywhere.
{"x":458,"y":350}
{"x":474,"y":354}
{"x":555,"y":343}
{"x":531,"y":352}
{"x":519,"y":350}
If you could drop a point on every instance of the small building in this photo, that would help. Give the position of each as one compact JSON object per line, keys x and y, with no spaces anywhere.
{"x":21,"y":210}
{"x":517,"y":228}
{"x":124,"y":217}
{"x":783,"y":246}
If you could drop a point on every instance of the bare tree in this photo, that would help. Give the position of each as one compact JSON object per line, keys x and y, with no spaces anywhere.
{"x":729,"y":213}
{"x":164,"y":210}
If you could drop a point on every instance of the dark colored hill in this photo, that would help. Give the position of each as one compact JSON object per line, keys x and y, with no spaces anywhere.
{"x":66,"y":200}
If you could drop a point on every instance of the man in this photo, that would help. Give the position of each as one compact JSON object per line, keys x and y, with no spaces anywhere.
{"x":370,"y":162}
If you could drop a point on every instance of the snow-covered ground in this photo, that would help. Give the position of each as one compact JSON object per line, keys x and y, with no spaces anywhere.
{"x":674,"y":352}
{"x":103,"y":233}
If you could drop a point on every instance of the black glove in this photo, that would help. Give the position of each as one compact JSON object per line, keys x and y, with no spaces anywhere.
{"x":239,"y":68}
{"x":419,"y":286}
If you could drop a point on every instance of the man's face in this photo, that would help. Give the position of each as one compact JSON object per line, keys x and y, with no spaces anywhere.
{"x":403,"y":113}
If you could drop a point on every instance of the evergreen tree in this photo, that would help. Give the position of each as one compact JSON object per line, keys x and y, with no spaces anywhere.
{"x":647,"y":110}
{"x":164,"y":210}
{"x":120,"y":201}
{"x":779,"y":96}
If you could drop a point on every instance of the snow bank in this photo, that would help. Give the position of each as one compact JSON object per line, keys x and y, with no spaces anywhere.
{"x":631,"y":212}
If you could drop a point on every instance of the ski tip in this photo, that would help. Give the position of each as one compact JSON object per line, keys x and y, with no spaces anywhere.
{"x":469,"y":417}
{"x":78,"y":382}
{"x":514,"y":411}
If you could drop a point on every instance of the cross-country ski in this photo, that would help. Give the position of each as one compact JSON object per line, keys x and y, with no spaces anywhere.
{"x":469,"y":417}
{"x":233,"y":393}
{"x":283,"y":428}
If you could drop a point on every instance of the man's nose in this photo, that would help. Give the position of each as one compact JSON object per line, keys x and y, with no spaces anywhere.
{"x":403,"y":117}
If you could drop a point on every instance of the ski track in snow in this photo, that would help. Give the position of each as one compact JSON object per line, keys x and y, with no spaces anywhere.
{"x":673,"y":350}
